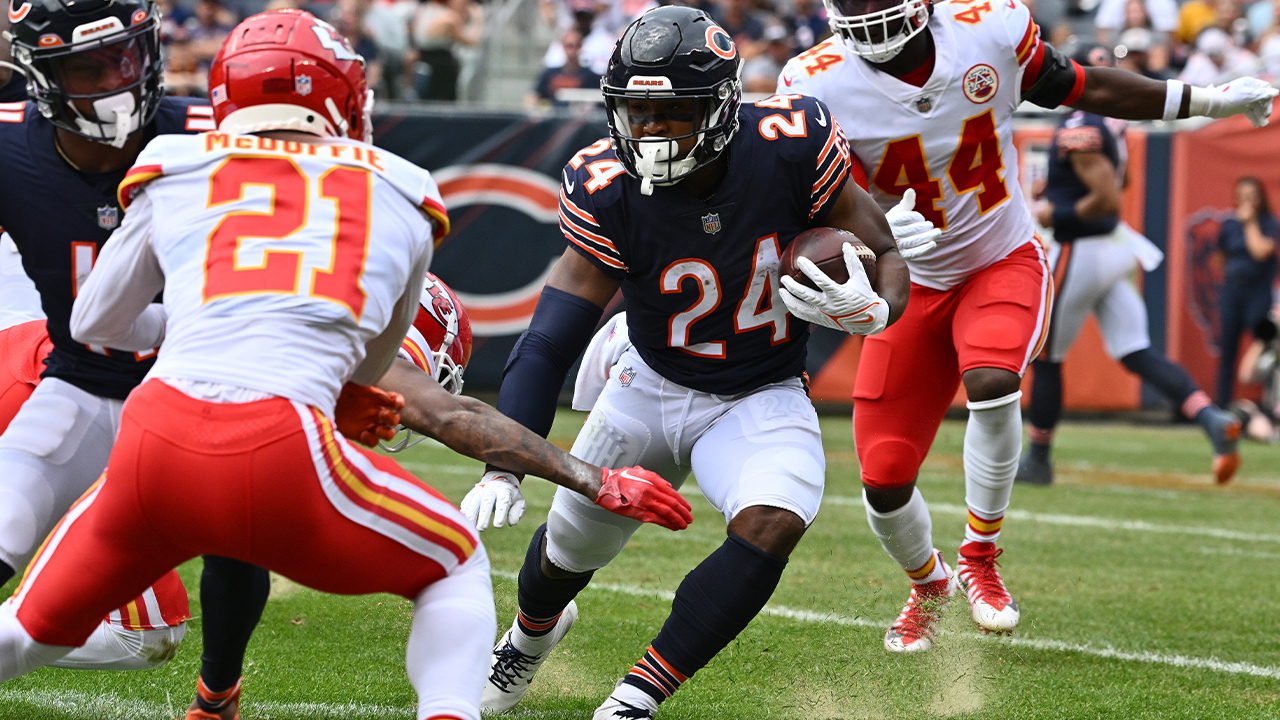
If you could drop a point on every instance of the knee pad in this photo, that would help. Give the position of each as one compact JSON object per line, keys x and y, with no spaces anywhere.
{"x":578,"y":543}
{"x":890,"y":462}
{"x":26,"y":512}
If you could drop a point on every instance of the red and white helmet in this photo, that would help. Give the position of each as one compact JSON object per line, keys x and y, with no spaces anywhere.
{"x":877,"y":30}
{"x":439,"y":341}
{"x":289,"y":70}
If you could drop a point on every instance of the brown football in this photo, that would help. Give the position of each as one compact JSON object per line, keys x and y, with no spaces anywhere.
{"x":822,"y":246}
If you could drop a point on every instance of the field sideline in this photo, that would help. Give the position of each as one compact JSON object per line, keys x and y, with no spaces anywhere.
{"x":1146,"y":592}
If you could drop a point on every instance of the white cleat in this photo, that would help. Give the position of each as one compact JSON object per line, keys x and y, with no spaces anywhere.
{"x":614,"y":709}
{"x":915,"y":627}
{"x":992,"y":607}
{"x":511,"y":669}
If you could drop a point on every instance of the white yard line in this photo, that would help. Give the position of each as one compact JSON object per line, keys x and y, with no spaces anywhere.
{"x":115,"y":707}
{"x":1105,"y":651}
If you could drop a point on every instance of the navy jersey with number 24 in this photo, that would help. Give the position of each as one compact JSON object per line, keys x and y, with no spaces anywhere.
{"x":700,"y":278}
{"x":60,"y":217}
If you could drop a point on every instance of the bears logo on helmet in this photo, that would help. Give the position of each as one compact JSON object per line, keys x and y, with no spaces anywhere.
{"x":92,"y":66}
{"x":256,"y":79}
{"x":673,"y":52}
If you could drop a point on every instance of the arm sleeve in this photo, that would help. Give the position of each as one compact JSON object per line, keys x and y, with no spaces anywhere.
{"x":114,"y":307}
{"x":562,"y":326}
{"x":381,"y":350}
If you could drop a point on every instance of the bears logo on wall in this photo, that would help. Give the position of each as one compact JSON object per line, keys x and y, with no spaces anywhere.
{"x":1205,"y":267}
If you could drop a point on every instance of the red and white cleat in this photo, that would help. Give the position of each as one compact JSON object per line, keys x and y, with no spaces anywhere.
{"x":992,"y":607}
{"x":914,"y":629}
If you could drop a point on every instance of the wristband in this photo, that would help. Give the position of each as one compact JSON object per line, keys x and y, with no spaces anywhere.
{"x":1064,"y":214}
{"x":1173,"y":99}
{"x":1202,"y":101}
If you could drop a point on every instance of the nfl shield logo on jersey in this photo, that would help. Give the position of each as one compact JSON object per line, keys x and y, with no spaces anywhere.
{"x":711,"y":223}
{"x":626,"y":376}
{"x":924,"y":104}
{"x":108,"y":217}
{"x":302,"y":84}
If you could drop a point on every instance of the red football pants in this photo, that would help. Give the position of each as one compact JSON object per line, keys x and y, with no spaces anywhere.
{"x":23,"y":348}
{"x":908,"y":374}
{"x":270,"y":483}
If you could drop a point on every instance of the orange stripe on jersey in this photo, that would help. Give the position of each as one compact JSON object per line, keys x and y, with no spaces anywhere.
{"x":440,"y":215}
{"x":577,"y":210}
{"x":416,"y":518}
{"x":826,"y":149}
{"x":599,"y":255}
{"x":137,"y":176}
{"x":587,"y":233}
{"x":825,"y":196}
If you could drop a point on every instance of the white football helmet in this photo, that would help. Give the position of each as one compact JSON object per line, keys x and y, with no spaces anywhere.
{"x":877,"y":30}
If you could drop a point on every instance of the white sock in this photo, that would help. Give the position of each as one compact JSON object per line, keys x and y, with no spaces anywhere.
{"x":112,"y":647}
{"x":450,"y":644}
{"x":632,"y":695}
{"x":906,"y":534}
{"x":992,"y":443}
{"x":19,"y":652}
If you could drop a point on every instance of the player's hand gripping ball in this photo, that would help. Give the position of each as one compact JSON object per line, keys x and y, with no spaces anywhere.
{"x":367,"y":414}
{"x":845,"y":301}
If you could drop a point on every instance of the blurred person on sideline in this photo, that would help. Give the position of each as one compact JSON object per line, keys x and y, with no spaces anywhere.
{"x":810,"y":22}
{"x":13,"y":85}
{"x":568,"y":75}
{"x":760,"y":73}
{"x":1217,"y":57}
{"x":597,"y":42}
{"x":387,"y":22}
{"x":1260,"y":365}
{"x":1247,"y":241}
{"x":438,"y":26}
{"x":739,"y":19}
{"x":1116,"y":16}
{"x":206,"y":30}
{"x":348,"y":17}
{"x":1138,"y":52}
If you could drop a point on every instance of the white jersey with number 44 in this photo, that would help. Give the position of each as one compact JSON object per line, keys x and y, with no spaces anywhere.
{"x":951,"y":140}
{"x":284,"y":263}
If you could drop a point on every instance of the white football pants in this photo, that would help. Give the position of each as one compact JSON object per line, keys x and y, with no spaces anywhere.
{"x":761,"y":448}
{"x":1097,"y":280}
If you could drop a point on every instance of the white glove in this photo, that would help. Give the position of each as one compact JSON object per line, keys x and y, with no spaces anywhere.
{"x":497,"y":493}
{"x":853,"y":307}
{"x":1246,"y":95}
{"x":914,"y":235}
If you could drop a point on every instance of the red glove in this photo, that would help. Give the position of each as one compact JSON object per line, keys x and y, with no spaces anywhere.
{"x":366,"y":414}
{"x":637,"y":493}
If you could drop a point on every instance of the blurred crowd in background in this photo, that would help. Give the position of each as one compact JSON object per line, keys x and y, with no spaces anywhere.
{"x":427,"y":49}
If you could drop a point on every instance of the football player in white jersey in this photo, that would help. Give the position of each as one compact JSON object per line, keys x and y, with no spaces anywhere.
{"x":1093,"y":259}
{"x":291,"y":255}
{"x":926,"y":93}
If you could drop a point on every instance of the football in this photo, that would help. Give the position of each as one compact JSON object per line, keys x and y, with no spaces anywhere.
{"x":823,"y":246}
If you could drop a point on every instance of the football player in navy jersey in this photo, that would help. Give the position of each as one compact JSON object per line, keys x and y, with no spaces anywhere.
{"x":94,"y":71}
{"x":1093,"y":261}
{"x":687,"y":209}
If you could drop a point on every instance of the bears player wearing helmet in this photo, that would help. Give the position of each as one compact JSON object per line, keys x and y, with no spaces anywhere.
{"x":713,"y":382}
{"x":940,"y":82}
{"x":94,"y":73}
{"x":1093,"y":258}
{"x":273,"y":332}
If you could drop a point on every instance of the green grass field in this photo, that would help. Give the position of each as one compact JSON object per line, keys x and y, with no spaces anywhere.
{"x":1146,"y":592}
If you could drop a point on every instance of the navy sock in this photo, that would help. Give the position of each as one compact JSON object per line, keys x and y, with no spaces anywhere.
{"x":543,"y":598}
{"x":1171,"y":379}
{"x":232,"y":596}
{"x":6,"y":572}
{"x":1046,"y":398}
{"x":714,"y":603}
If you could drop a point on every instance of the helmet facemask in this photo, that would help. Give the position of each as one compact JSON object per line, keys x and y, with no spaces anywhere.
{"x":873,"y":31}
{"x":103,"y":90}
{"x":658,"y":160}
